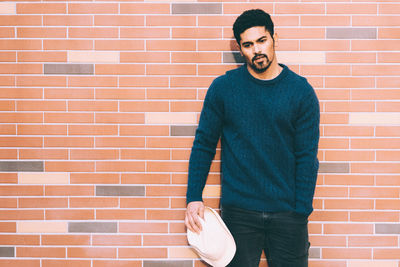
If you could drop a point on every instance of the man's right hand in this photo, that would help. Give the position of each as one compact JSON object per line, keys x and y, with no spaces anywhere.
{"x":194,"y":211}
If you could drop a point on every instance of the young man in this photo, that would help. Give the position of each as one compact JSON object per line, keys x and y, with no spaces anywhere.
{"x":268,"y":120}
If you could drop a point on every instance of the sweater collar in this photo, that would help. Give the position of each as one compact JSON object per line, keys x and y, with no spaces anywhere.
{"x":281,"y":75}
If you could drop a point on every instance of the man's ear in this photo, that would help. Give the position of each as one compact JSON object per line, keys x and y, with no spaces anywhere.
{"x":276,"y":39}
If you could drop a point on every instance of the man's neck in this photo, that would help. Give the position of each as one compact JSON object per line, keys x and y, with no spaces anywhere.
{"x":272,"y":72}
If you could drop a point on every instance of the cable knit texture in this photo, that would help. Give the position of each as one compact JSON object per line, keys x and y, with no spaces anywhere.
{"x":269,"y":133}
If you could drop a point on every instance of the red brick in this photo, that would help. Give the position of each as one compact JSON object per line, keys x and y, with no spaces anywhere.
{"x":143,"y":57}
{"x":92,"y":32}
{"x":18,"y":20}
{"x":43,"y":203}
{"x":145,"y":178}
{"x":142,"y":253}
{"x":66,"y":263}
{"x":42,"y":154}
{"x":40,"y":252}
{"x":20,"y":263}
{"x":144,"y":8}
{"x":93,"y":202}
{"x":67,"y":44}
{"x":65,"y":240}
{"x":346,"y":253}
{"x":113,"y":214}
{"x":94,"y":178}
{"x":150,"y":202}
{"x":92,"y":8}
{"x":8,"y":227}
{"x":41,"y":8}
{"x":145,"y":154}
{"x":374,"y":216}
{"x":7,"y":203}
{"x":91,"y":252}
{"x":120,"y":69}
{"x":118,"y":20}
{"x":120,"y":240}
{"x":117,"y":263}
{"x":46,"y":81}
{"x":14,"y":215}
{"x":71,"y":190}
{"x":70,"y":214}
{"x":21,"y":190}
{"x":119,"y":45}
{"x":145,"y":227}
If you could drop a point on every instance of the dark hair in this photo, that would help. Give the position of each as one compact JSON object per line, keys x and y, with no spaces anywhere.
{"x":252,"y":18}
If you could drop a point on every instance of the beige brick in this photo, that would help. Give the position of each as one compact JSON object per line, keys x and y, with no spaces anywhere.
{"x":171,"y":118}
{"x":7,"y":8}
{"x":386,"y":118}
{"x":372,"y":264}
{"x":212,"y":191}
{"x":300,"y":57}
{"x":93,"y":56}
{"x":182,"y":252}
{"x":41,"y":227}
{"x":43,"y":178}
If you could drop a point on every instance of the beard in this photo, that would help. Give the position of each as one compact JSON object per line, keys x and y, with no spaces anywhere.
{"x":261,"y":66}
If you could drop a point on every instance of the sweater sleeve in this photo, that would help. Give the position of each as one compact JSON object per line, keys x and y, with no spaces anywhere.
{"x":306,"y":149}
{"x":204,"y":146}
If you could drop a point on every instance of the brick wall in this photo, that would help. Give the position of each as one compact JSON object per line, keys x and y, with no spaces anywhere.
{"x":99,"y":104}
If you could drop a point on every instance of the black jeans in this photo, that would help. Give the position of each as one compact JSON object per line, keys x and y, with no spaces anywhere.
{"x":283,"y":236}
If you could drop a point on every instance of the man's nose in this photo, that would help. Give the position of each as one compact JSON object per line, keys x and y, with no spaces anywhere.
{"x":257,"y":49}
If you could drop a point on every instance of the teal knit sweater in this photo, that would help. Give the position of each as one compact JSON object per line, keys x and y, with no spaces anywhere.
{"x":269,"y":133}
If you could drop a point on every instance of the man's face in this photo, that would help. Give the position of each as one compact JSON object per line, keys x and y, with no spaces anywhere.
{"x":258,"y":48}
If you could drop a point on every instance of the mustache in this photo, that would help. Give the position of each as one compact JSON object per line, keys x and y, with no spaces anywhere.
{"x":258,"y":56}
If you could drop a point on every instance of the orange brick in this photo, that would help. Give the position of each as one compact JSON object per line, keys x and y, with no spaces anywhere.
{"x":191,"y":81}
{"x":120,"y":118}
{"x":165,"y":240}
{"x":238,"y":8}
{"x":93,"y":202}
{"x":145,"y":178}
{"x":145,"y":81}
{"x":328,"y":241}
{"x":119,"y":45}
{"x":171,"y":69}
{"x":120,"y":69}
{"x":330,"y":20}
{"x":144,"y":106}
{"x":91,"y":252}
{"x":186,"y":106}
{"x":145,"y":227}
{"x":181,"y":154}
{"x":144,"y":154}
{"x":40,"y":252}
{"x":21,"y":142}
{"x":388,"y":57}
{"x":388,"y":33}
{"x":26,"y":240}
{"x":346,"y":253}
{"x":167,"y":142}
{"x":374,"y":45}
{"x":386,"y":253}
{"x":144,"y":57}
{"x":21,"y":190}
{"x":41,"y":81}
{"x":8,"y":56}
{"x":8,"y":227}
{"x":122,"y":94}
{"x":213,"y":20}
{"x":329,"y":191}
{"x":171,"y":94}
{"x":120,"y":240}
{"x":348,"y":228}
{"x":118,"y":20}
{"x":15,"y":215}
{"x":117,"y":263}
{"x":120,"y":215}
{"x":69,"y":214}
{"x":161,"y":20}
{"x":116,"y":142}
{"x":68,"y":142}
{"x":371,"y":70}
{"x":350,"y":57}
{"x":348,"y":130}
{"x":15,"y":117}
{"x":94,"y":178}
{"x":158,"y":166}
{"x":299,"y":8}
{"x":7,"y":106}
{"x":371,"y":94}
{"x":375,"y":168}
{"x":92,"y":32}
{"x":387,"y":106}
{"x":67,"y":44}
{"x":349,"y":204}
{"x":196,"y":57}
{"x":69,"y":190}
{"x":7,"y":203}
{"x":171,"y":45}
{"x":215,"y":69}
{"x":387,"y":155}
{"x":102,"y":81}
{"x":7,"y":33}
{"x":92,"y":8}
{"x":375,"y":21}
{"x":92,"y":106}
{"x":9,"y":178}
{"x":377,"y":192}
{"x":374,"y":216}
{"x":165,"y":191}
{"x":196,"y":33}
{"x":41,"y":8}
{"x":329,"y":216}
{"x":66,"y":263}
{"x":10,"y":68}
{"x":142,"y":130}
{"x":346,"y":155}
{"x":9,"y":154}
{"x":18,"y":20}
{"x":165,"y":215}
{"x":349,"y":82}
{"x":20,"y":263}
{"x":149,"y":202}
{"x":334,"y":118}
{"x":142,"y":253}
{"x":43,"y":203}
{"x":65,"y":240}
{"x":353,"y":8}
{"x":42,"y":129}
{"x":387,"y":204}
{"x":120,"y":166}
{"x":389,"y":8}
{"x":7,"y":81}
{"x":92,"y":129}
{"x":387,"y":180}
{"x":66,"y":166}
{"x":41,"y":106}
{"x":386,"y":82}
{"x":60,"y":154}
{"x":21,"y":93}
{"x":93,"y":154}
{"x":20,"y":44}
{"x":144,"y":8}
{"x":68,"y":20}
{"x":352,"y":106}
{"x":68,"y":117}
{"x":373,"y":241}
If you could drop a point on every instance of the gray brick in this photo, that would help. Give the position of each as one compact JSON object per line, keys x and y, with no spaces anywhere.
{"x":330,"y":167}
{"x":183,"y":130}
{"x":197,"y":8}
{"x":82,"y":69}
{"x":105,"y":190}
{"x":393,"y":229}
{"x":314,"y":253}
{"x":232,"y":57}
{"x":351,"y":33}
{"x":7,"y":252}
{"x":182,"y":263}
{"x":21,"y":166}
{"x":92,"y":227}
